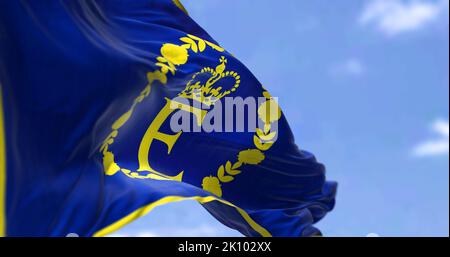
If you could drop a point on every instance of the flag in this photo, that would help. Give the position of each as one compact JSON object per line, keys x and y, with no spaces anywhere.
{"x":112,"y":108}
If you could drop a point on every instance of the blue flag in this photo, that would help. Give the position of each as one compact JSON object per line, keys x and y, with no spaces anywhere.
{"x":112,"y":108}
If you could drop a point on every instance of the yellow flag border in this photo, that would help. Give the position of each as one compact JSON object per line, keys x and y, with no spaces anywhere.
{"x":180,"y":5}
{"x":170,"y":199}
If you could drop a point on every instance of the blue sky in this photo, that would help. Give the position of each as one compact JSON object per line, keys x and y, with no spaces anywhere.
{"x":365,"y":87}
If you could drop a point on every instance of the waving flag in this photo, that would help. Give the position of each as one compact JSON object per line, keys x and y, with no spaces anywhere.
{"x":95,"y":100}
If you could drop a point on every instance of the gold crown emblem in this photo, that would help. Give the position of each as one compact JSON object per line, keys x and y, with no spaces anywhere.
{"x":209,"y":85}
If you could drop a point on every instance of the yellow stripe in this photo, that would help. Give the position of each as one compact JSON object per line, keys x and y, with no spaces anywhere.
{"x":169,"y":199}
{"x":2,"y":172}
{"x":180,"y":5}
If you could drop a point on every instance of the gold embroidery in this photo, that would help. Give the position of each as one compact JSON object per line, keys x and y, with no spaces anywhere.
{"x":171,"y":56}
{"x":251,"y":156}
{"x":207,"y":93}
{"x":268,"y":112}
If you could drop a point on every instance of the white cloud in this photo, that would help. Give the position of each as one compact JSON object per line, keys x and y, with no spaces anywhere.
{"x":352,"y":67}
{"x":437,"y":146}
{"x":393,"y":17}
